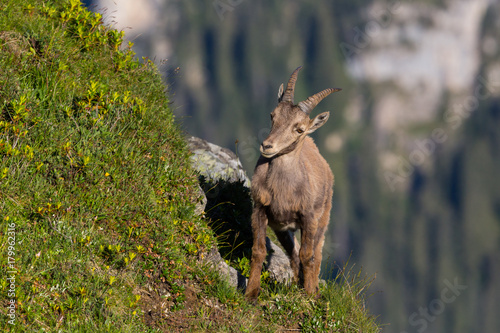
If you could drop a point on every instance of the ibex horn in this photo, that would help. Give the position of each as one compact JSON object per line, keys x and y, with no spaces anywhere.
{"x":290,"y":87}
{"x":309,"y":104}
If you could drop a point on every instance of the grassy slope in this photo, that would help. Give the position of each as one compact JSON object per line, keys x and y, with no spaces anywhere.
{"x":96,"y":188}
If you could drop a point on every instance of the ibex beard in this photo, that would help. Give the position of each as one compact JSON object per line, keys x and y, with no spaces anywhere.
{"x":292,"y":189}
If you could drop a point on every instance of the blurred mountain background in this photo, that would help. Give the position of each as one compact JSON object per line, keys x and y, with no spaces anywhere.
{"x":413,"y":138}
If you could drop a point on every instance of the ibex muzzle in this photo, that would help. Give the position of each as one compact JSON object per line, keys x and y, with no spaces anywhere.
{"x":292,"y":189}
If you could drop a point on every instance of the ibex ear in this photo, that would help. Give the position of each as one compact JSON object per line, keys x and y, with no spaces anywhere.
{"x":319,"y":121}
{"x":280,"y":93}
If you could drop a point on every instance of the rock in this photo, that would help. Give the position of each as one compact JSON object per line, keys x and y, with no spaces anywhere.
{"x":202,"y":203}
{"x":278,"y":264}
{"x":215,"y":162}
{"x":232,"y":276}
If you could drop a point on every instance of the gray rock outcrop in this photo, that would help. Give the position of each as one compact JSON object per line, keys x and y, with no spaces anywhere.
{"x":278,"y":263}
{"x":216,"y":162}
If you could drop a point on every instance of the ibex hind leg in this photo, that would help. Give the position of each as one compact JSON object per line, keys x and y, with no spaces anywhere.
{"x":319,"y":241}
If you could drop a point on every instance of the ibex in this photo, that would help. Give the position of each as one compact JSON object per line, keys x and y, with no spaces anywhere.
{"x":292,"y":189}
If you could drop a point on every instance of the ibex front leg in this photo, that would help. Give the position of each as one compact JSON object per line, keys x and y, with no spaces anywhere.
{"x":306,"y":254}
{"x":259,"y":225}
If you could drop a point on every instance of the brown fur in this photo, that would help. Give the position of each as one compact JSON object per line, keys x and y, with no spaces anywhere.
{"x":292,"y":189}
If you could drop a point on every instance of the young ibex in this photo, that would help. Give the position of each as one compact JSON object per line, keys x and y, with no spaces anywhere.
{"x":292,"y":189}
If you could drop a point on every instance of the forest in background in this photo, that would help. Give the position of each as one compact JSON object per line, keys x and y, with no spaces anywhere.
{"x":430,"y":231}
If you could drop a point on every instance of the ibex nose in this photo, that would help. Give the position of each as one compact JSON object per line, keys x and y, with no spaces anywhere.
{"x":266,"y":148}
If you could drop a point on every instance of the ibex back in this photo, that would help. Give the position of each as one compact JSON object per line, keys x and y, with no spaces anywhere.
{"x":292,"y":189}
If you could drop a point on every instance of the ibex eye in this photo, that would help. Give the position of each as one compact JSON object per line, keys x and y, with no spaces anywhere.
{"x":300,"y":130}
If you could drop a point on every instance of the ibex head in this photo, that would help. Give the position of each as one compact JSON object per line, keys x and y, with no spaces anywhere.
{"x":291,"y":123}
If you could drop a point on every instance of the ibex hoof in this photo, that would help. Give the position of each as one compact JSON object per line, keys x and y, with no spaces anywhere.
{"x":252,"y":297}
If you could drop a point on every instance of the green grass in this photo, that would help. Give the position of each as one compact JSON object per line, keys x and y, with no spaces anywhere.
{"x":98,"y":228}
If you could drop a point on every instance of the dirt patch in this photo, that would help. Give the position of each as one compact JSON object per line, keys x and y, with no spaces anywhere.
{"x":14,"y":42}
{"x":162,"y":312}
